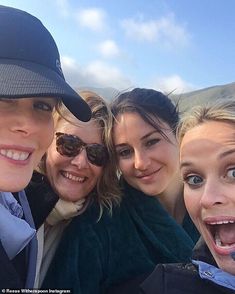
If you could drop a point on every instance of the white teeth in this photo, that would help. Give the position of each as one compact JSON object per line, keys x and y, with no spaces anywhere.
{"x":13,"y":154}
{"x":220,"y":244}
{"x":74,"y":178}
{"x":222,"y":222}
{"x":217,"y":240}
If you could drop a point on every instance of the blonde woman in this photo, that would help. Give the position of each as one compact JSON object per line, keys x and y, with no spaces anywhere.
{"x":31,"y":85}
{"x":207,"y":166}
{"x":77,"y":169}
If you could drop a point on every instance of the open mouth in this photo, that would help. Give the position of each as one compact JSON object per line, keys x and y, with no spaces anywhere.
{"x":223,"y":233}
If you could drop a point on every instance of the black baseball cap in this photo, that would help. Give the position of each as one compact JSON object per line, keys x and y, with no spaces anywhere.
{"x":30,"y":62}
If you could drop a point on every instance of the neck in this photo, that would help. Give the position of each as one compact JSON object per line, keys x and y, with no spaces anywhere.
{"x":172,"y":200}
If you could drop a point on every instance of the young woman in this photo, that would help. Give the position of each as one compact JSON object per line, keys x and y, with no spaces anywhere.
{"x":97,"y":253}
{"x":207,"y":166}
{"x":147,"y":150}
{"x":30,"y":88}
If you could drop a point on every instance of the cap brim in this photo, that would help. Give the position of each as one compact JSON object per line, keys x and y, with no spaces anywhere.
{"x":19,"y":79}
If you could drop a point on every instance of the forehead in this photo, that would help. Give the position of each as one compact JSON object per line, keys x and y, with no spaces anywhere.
{"x":129,"y":118}
{"x":214,"y":135}
{"x":88,"y":131}
{"x":130,"y":125}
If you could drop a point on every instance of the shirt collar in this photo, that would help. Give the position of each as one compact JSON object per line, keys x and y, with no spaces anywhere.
{"x":214,"y":274}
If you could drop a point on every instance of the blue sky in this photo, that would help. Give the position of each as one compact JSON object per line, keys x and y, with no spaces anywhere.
{"x":168,"y":45}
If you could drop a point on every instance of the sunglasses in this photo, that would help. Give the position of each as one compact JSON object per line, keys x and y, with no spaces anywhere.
{"x":71,"y":146}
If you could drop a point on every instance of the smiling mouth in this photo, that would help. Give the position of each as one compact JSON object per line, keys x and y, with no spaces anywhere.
{"x":223,"y":233}
{"x":149,"y":174}
{"x":14,"y":154}
{"x":72,"y":177}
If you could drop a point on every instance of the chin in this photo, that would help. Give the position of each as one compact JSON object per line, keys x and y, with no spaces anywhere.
{"x":226,"y":263}
{"x":70,"y":197}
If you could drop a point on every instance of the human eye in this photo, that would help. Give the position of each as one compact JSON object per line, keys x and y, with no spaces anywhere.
{"x":231,"y":173}
{"x":152,"y":142}
{"x":7,"y":102}
{"x":193,"y":180}
{"x":44,"y":106}
{"x":124,"y":152}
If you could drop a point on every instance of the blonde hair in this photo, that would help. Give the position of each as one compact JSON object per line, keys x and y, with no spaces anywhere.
{"x":107,"y":188}
{"x":219,"y":110}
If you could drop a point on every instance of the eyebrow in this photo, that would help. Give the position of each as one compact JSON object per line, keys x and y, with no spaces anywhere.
{"x":142,"y":138}
{"x":226,"y":153}
{"x":185,"y":164}
{"x":222,"y":155}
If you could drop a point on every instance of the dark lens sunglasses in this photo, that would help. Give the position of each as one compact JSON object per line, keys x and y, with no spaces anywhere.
{"x":71,"y":146}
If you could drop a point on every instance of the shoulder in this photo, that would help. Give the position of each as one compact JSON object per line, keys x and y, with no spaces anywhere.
{"x":177,"y":278}
{"x":8,"y":275}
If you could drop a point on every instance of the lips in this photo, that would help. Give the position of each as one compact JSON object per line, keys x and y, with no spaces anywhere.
{"x":147,"y":175}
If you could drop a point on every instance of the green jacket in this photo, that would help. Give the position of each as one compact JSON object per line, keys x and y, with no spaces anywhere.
{"x":93,"y":256}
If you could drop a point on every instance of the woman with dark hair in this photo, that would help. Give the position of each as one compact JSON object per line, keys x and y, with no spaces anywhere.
{"x":147,"y":150}
{"x":95,"y":255}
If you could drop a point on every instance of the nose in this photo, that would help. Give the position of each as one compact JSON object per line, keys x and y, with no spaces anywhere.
{"x":25,"y":122}
{"x":141,"y":160}
{"x":213,"y":194}
{"x":81,"y":160}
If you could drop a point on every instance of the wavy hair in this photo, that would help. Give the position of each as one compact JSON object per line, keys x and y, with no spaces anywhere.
{"x":107,"y":189}
{"x":221,"y":110}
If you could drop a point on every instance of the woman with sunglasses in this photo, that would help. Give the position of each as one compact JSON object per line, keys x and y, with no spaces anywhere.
{"x":31,"y":86}
{"x":97,"y":253}
{"x":76,"y":169}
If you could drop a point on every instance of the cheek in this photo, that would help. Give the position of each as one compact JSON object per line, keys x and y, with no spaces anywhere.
{"x":192,"y":203}
{"x":47,"y":135}
{"x":53,"y":160}
{"x":172,"y":154}
{"x":98,"y":172}
{"x":124,"y":166}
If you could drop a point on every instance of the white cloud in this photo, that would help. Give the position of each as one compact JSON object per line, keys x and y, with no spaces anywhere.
{"x":73,"y":73}
{"x":64,"y":7}
{"x":172,"y":84}
{"x":107,"y":76}
{"x":92,"y":18}
{"x":109,"y":49}
{"x":164,"y":30}
{"x":95,"y":74}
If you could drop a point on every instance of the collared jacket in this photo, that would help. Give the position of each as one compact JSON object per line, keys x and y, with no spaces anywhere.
{"x":183,"y":277}
{"x":13,"y":272}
